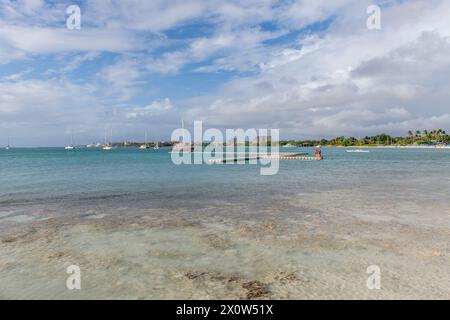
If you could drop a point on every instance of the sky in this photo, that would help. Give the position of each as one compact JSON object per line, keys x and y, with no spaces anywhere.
{"x":311,"y":68}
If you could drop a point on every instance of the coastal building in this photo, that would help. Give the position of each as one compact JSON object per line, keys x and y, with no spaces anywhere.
{"x":232,"y":142}
{"x":263,"y":140}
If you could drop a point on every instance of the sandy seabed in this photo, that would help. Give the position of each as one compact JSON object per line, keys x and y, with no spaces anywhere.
{"x":215,"y":253}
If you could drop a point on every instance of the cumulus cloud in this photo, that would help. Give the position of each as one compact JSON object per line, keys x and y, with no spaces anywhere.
{"x":155,"y":108}
{"x":347,"y":81}
{"x":308,"y":67}
{"x":240,"y":50}
{"x":20,"y":41}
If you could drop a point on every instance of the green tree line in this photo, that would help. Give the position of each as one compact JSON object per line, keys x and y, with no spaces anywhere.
{"x":424,"y":137}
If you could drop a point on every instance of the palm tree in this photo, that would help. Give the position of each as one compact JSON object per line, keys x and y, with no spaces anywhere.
{"x":418,"y":135}
{"x":446,"y":138}
{"x":433,"y":134}
{"x":411,"y":135}
{"x":428,"y":135}
{"x":439,"y":135}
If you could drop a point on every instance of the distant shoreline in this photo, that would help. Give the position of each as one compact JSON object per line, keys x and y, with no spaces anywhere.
{"x":393,"y":147}
{"x":294,"y":146}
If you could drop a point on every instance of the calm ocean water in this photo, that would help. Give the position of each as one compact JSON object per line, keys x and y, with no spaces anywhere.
{"x":88,"y":178}
{"x":141,"y":227}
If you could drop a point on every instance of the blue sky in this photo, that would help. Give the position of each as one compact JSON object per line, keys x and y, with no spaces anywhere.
{"x":309,"y":68}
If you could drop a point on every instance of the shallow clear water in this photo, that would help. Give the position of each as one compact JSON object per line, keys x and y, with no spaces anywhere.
{"x":128,"y":175}
{"x":192,"y":229}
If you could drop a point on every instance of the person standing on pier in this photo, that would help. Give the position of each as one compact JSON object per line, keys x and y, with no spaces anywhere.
{"x":317,"y":153}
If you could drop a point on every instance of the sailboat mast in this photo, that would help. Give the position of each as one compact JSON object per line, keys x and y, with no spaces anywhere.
{"x":182,"y":127}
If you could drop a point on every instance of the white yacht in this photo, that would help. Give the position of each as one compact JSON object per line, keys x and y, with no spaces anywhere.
{"x":108,"y":145}
{"x":156,"y":147}
{"x":358,"y":151}
{"x":70,"y":146}
{"x":145,"y":145}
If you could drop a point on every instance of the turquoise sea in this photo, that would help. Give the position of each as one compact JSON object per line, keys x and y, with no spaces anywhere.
{"x":141,"y":227}
{"x":148,"y":177}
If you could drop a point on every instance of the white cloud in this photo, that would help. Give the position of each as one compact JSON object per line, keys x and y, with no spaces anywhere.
{"x":347,"y":81}
{"x":156,"y":108}
{"x":232,"y":49}
{"x":160,"y":15}
{"x":30,"y":40}
{"x":37,"y":98}
{"x":342,"y":80}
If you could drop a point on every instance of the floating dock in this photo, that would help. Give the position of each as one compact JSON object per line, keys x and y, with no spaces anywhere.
{"x":278,"y":156}
{"x":304,"y":158}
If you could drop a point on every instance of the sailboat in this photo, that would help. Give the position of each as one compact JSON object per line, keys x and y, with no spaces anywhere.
{"x":70,"y":146}
{"x":289,"y":145}
{"x":182,"y":146}
{"x":8,"y":146}
{"x":358,"y":151}
{"x":107,"y":146}
{"x":145,"y":145}
{"x":156,"y":147}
